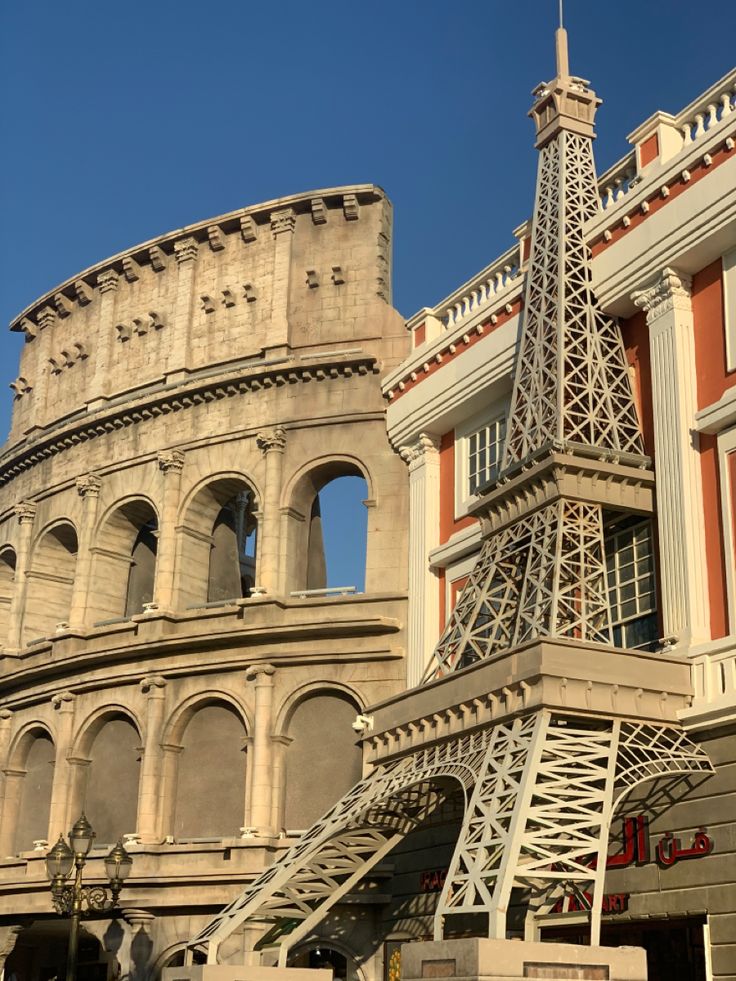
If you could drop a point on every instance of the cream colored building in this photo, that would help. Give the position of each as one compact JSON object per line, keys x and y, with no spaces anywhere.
{"x":172,"y":661}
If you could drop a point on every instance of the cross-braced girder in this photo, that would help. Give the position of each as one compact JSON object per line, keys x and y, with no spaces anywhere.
{"x":540,"y":794}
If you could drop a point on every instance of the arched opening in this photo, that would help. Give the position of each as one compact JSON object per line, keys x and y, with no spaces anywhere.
{"x":7,"y":588}
{"x":314,"y":781}
{"x":32,"y":822}
{"x":40,"y":951}
{"x":110,"y":795}
{"x":322,"y":955}
{"x":328,"y":530}
{"x":124,"y":570}
{"x":218,"y":543}
{"x":210,"y":784}
{"x":50,"y":582}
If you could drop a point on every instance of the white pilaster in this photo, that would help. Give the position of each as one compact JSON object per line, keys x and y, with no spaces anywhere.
{"x":683,"y":571}
{"x":423,"y":458}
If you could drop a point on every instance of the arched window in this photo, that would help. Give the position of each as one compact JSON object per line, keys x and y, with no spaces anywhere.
{"x":218,"y":544}
{"x":7,"y":588}
{"x":32,"y":822}
{"x":210,"y":785}
{"x":314,"y":780}
{"x":50,"y":582}
{"x":328,"y":529}
{"x":110,"y":798}
{"x":124,"y":569}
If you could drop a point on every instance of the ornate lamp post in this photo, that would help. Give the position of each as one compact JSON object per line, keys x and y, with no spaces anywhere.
{"x":72,"y":898}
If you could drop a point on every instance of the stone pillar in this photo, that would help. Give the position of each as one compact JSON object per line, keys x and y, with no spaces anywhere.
{"x":151,"y":769}
{"x":170,"y":753}
{"x":107,"y":287}
{"x":683,"y":571}
{"x":59,"y":822}
{"x":273,"y":443}
{"x":89,"y":490}
{"x":26,"y":513}
{"x":261,"y":782}
{"x":178,"y":362}
{"x":6,"y":722}
{"x":278,"y":785}
{"x":47,"y":320}
{"x":13,"y":777}
{"x":283,"y":223}
{"x":171,"y":463}
{"x":423,"y":458}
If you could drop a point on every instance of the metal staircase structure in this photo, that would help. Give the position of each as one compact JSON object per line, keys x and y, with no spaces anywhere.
{"x":545,"y":725}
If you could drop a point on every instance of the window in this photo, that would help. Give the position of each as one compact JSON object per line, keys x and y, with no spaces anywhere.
{"x":479,"y":448}
{"x":631,"y":585}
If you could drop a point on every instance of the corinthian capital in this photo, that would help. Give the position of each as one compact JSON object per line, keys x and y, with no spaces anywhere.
{"x":672,"y":290}
{"x":418,"y":450}
{"x":25,"y":512}
{"x":171,"y":461}
{"x":89,"y":485}
{"x":271,"y":439}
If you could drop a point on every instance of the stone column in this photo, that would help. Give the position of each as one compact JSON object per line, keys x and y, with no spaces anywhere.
{"x":59,"y":823}
{"x":26,"y":513}
{"x":423,"y":458}
{"x":283,"y":223}
{"x":178,"y":362}
{"x":6,"y":722}
{"x":170,"y":753}
{"x":107,"y":287}
{"x":151,"y":768}
{"x":278,"y":785}
{"x":273,"y":443}
{"x":261,"y":783}
{"x":171,"y":463}
{"x":683,"y":571}
{"x":13,"y":777}
{"x":89,"y":490}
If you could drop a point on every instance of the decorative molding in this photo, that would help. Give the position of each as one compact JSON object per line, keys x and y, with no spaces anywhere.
{"x":171,"y":461}
{"x":671,"y":290}
{"x":89,"y":485}
{"x":131,"y":269}
{"x":29,"y":328}
{"x":425,"y":443}
{"x":216,"y":238}
{"x":338,"y":275}
{"x":228,"y":297}
{"x":63,"y":304}
{"x":283,"y":220}
{"x":152,"y":684}
{"x":271,"y":439}
{"x":312,"y":279}
{"x":21,"y":386}
{"x":207,"y":303}
{"x":249,"y":293}
{"x":85,"y":293}
{"x":62,"y":700}
{"x":185,"y":250}
{"x":158,"y":258}
{"x":46,"y":317}
{"x":350,"y":207}
{"x":25,"y":512}
{"x":262,"y":673}
{"x":248,"y":228}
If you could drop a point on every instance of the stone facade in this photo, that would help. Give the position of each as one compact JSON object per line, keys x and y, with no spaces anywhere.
{"x":170,"y":654}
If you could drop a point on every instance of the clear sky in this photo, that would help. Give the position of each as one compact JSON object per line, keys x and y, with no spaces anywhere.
{"x":123,"y":121}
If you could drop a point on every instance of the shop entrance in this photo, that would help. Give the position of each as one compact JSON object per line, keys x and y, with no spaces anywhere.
{"x":675,"y":948}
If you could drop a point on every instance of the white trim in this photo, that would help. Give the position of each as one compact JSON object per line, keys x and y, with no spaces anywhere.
{"x":718,"y":415}
{"x":493,"y":413}
{"x":727,"y":446}
{"x":461,"y":543}
{"x":729,"y":307}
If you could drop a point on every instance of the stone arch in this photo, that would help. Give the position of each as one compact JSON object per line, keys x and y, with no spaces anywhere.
{"x":106,"y":771}
{"x":205,"y":780}
{"x":124,"y":559}
{"x":50,"y":579}
{"x":292,"y":700}
{"x":306,"y":567}
{"x":324,"y":942}
{"x":28,"y":783}
{"x":7,"y":589}
{"x":313,"y":782}
{"x":217,"y":540}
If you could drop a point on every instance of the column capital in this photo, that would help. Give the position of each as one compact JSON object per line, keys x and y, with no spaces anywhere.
{"x":153,"y":684}
{"x":271,"y":439}
{"x":171,"y":461}
{"x":260,"y":673}
{"x":107,"y":281}
{"x":283,"y":220}
{"x":63,"y":700}
{"x":138,"y":917}
{"x":671,"y":290}
{"x":25,"y":512}
{"x":89,"y":485}
{"x":425,"y":444}
{"x":5,"y":715}
{"x":185,"y":250}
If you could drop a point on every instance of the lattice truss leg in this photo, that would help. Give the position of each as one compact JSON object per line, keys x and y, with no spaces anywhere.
{"x":572,"y":382}
{"x":540,"y":815}
{"x":544,"y":789}
{"x":362,"y":828}
{"x":544,"y":575}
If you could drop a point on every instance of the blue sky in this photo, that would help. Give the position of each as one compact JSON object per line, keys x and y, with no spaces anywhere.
{"x":122,"y":121}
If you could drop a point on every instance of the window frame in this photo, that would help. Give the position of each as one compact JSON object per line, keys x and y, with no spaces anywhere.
{"x":614,"y":532}
{"x":494,"y":413}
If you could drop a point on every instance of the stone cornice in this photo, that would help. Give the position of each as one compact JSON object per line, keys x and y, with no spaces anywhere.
{"x":245,"y":221}
{"x":165,"y":399}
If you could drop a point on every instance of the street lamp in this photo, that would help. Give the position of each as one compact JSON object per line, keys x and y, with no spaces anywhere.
{"x":72,"y":898}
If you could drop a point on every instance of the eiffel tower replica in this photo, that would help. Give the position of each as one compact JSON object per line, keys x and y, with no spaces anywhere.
{"x":547,"y":727}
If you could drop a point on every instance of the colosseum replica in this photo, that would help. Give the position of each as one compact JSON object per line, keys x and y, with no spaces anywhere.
{"x":176,"y":662}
